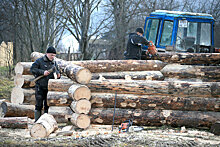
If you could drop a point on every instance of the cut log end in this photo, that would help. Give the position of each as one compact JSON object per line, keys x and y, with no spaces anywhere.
{"x":18,"y":80}
{"x":17,"y":95}
{"x":3,"y":108}
{"x":78,"y":92}
{"x":19,"y":68}
{"x":81,"y":106}
{"x":38,"y":131}
{"x":80,"y":120}
{"x":84,"y":76}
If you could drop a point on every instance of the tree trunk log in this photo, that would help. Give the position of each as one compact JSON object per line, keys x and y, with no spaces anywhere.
{"x":189,"y":58}
{"x":58,"y":98}
{"x":61,"y":114}
{"x":81,"y":106}
{"x":80,"y":120}
{"x":77,"y":92}
{"x":155,"y":102}
{"x":16,"y":110}
{"x":3,"y":108}
{"x":206,"y":73}
{"x":14,"y":122}
{"x":179,"y":88}
{"x":23,"y":96}
{"x":109,"y":65}
{"x":79,"y":74}
{"x":24,"y":81}
{"x":23,"y":68}
{"x":45,"y":125}
{"x":17,"y":95}
{"x":75,"y":72}
{"x":155,"y":117}
{"x":135,"y":75}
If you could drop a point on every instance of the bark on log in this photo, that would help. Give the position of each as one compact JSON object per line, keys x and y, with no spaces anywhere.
{"x":3,"y":108}
{"x":79,"y":74}
{"x":179,"y":88}
{"x":189,"y":58}
{"x":61,"y":114}
{"x":45,"y":125}
{"x":58,"y":98}
{"x":80,"y":120}
{"x":110,"y":65}
{"x":77,"y":92}
{"x":23,"y":96}
{"x":81,"y":106}
{"x":135,"y":75}
{"x":206,"y":73}
{"x":14,"y":122}
{"x":16,"y":110}
{"x":155,"y":102}
{"x":155,"y":117}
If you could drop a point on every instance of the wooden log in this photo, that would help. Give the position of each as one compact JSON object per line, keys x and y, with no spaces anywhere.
{"x":135,"y":75}
{"x":3,"y":108}
{"x":17,"y":95}
{"x":23,"y":68}
{"x":77,"y":92}
{"x":179,"y":88}
{"x":81,"y":106}
{"x":205,"y":73}
{"x":24,"y":81}
{"x":16,"y":110}
{"x":14,"y":122}
{"x":75,"y":72}
{"x":58,"y":98}
{"x":79,"y":74}
{"x":61,"y":114}
{"x":154,"y":102}
{"x":44,"y":126}
{"x":189,"y":58}
{"x":110,"y":65}
{"x":80,"y":120}
{"x":23,"y":96}
{"x":154,"y":117}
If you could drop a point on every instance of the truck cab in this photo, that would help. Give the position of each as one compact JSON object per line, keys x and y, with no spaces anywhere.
{"x":180,"y":31}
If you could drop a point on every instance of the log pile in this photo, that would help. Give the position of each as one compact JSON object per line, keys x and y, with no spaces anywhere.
{"x":150,"y":92}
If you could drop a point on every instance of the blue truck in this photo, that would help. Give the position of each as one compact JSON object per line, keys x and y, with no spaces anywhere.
{"x":180,"y":31}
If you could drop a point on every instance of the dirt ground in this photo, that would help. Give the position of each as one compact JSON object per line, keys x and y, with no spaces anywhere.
{"x":103,"y":136}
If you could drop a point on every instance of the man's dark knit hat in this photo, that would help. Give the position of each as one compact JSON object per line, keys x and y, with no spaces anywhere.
{"x":140,"y":30}
{"x":51,"y":50}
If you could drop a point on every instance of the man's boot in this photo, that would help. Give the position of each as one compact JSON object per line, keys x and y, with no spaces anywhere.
{"x":37,"y":114}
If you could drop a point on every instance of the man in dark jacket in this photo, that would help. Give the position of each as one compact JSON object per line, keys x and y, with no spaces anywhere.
{"x":40,"y":67}
{"x":134,"y":45}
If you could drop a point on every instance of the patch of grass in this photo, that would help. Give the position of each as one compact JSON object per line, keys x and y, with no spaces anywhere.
{"x":6,"y":86}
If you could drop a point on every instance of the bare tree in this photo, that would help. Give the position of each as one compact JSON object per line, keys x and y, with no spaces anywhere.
{"x":78,"y":15}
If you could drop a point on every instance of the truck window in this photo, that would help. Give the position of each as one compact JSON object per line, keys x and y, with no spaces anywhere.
{"x":153,"y":25}
{"x":167,"y":33}
{"x":205,"y":38}
{"x":195,"y":33}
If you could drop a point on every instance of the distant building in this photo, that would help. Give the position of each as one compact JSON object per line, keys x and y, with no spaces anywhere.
{"x":6,"y":53}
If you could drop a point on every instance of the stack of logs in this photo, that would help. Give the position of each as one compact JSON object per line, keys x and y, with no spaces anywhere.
{"x":150,"y":92}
